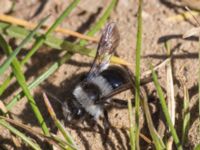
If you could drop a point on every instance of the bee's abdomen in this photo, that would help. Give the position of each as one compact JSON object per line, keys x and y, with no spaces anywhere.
{"x":115,"y":76}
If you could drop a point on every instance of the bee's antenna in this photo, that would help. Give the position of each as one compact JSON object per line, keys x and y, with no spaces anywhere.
{"x":53,"y":96}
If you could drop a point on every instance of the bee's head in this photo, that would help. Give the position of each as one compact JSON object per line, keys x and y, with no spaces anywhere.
{"x":84,"y":96}
{"x":73,"y":112}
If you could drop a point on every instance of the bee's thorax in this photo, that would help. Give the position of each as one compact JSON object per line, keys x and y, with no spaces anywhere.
{"x":83,"y":97}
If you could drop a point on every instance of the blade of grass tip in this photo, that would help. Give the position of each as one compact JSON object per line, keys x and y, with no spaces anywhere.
{"x":165,"y":111}
{"x":156,"y":67}
{"x":3,"y":107}
{"x":137,"y":73}
{"x":186,"y":114}
{"x":170,"y":94}
{"x":131,"y":122}
{"x":19,"y":134}
{"x":100,"y":22}
{"x":7,"y":62}
{"x":41,"y":39}
{"x":66,"y":135}
{"x":5,"y":84}
{"x":39,"y":80}
{"x":22,"y":82}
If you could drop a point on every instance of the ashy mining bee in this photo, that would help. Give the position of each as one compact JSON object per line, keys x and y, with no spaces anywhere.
{"x":90,"y":96}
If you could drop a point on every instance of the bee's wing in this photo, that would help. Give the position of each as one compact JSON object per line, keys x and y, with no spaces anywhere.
{"x":107,"y":45}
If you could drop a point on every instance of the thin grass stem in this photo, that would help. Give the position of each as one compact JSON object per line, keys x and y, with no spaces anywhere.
{"x":137,"y":74}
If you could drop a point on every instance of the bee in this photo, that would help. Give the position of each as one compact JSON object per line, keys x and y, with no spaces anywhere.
{"x":93,"y":93}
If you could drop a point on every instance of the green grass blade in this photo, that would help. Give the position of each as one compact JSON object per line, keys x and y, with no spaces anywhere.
{"x":100,"y":22}
{"x":5,"y":84}
{"x":19,"y":134}
{"x":131,"y":122}
{"x":165,"y":111}
{"x":6,"y":64}
{"x":66,"y":12}
{"x":137,"y":74}
{"x":22,"y":82}
{"x":186,"y":115}
{"x":197,"y":147}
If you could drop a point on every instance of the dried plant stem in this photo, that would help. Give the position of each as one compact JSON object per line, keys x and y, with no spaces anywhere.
{"x":31,"y":25}
{"x":170,"y":92}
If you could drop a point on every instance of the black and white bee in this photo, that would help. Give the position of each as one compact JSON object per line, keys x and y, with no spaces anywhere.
{"x":93,"y":93}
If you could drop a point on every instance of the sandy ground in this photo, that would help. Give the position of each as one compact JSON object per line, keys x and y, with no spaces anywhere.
{"x":156,"y":30}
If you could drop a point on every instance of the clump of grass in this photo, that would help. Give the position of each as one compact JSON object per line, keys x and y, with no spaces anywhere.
{"x":168,"y":109}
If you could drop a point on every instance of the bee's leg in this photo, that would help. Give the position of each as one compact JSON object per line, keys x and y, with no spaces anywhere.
{"x":106,"y":125}
{"x":92,"y":123}
{"x":116,"y":102}
{"x":119,"y":103}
